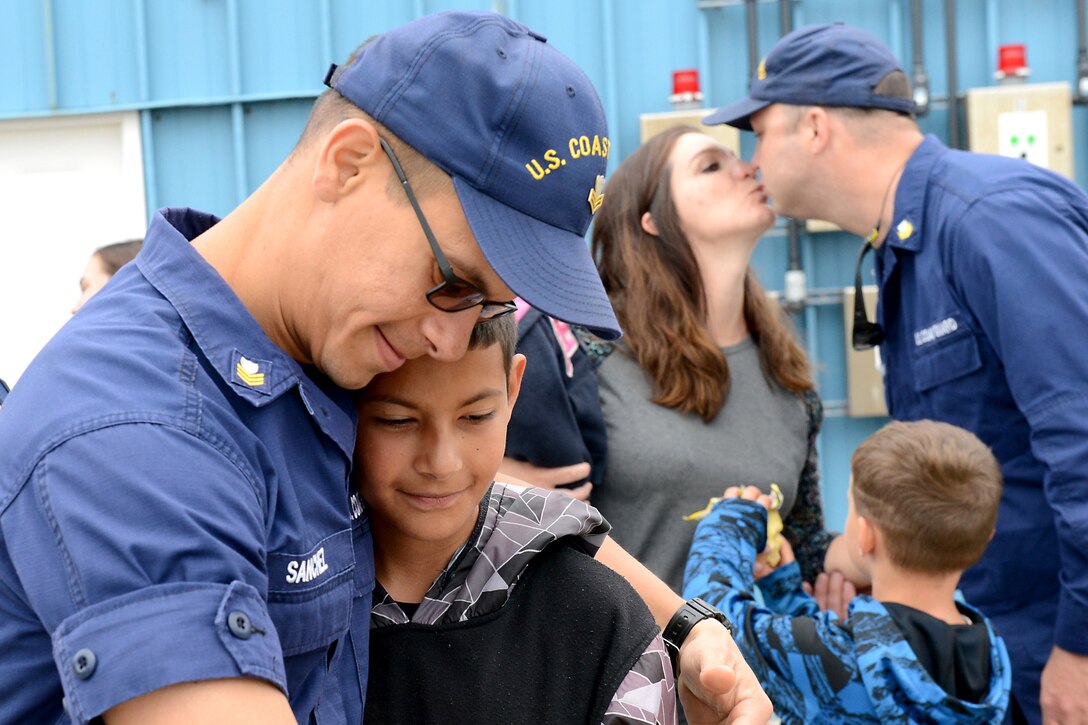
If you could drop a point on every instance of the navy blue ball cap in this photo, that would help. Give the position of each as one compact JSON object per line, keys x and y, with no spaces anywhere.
{"x":819,"y":65}
{"x":522,"y":132}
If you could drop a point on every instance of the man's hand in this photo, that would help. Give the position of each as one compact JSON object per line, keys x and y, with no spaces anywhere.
{"x":838,"y":559}
{"x":516,"y":471}
{"x":716,"y":685}
{"x":832,"y":592}
{"x":1063,"y":692}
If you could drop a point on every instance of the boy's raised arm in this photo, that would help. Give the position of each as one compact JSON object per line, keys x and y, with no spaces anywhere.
{"x":717,"y":687}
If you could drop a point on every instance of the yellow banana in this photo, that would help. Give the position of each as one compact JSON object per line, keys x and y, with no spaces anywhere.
{"x":774,"y":523}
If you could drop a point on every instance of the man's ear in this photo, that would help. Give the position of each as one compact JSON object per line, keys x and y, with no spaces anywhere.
{"x":347,"y":152}
{"x":816,"y":129}
{"x":649,"y":225}
{"x":517,"y":373}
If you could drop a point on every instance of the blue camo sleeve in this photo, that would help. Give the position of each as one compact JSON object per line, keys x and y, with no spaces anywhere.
{"x":1044,"y":348}
{"x":800,"y":661}
{"x":782,"y":592}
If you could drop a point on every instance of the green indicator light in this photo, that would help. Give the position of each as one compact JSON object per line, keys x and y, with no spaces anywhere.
{"x":1014,"y":140}
{"x":1031,"y":140}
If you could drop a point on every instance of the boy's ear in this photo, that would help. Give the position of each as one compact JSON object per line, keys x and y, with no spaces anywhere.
{"x":345,"y":153}
{"x":867,"y":536}
{"x":517,"y":372}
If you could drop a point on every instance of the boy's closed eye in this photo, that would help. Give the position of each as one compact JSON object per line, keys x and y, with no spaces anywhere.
{"x":480,"y":418}
{"x":402,"y":421}
{"x":392,"y":421}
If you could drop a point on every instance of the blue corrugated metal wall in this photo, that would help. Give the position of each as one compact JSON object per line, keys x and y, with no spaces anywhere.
{"x":224,"y":86}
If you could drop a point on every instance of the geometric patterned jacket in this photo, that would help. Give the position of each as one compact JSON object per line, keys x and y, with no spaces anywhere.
{"x":516,"y":524}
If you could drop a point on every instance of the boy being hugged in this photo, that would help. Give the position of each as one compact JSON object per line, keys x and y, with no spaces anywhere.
{"x":923,"y":503}
{"x":489,"y":606}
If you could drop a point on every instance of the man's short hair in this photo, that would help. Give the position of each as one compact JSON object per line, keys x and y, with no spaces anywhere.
{"x":331,"y":108}
{"x":502,"y":330}
{"x":932,"y":489}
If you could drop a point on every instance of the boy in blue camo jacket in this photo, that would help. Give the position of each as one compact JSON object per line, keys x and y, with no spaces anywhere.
{"x":923,"y":504}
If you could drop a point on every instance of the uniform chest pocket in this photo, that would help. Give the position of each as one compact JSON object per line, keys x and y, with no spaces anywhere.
{"x":941,"y":362}
{"x":310,"y":593}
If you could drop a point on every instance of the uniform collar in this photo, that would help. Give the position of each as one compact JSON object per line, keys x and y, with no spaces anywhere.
{"x":250,"y":364}
{"x":908,"y":217}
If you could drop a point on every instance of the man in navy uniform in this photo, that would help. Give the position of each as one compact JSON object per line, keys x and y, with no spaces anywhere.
{"x":178,"y":541}
{"x":982,"y":322}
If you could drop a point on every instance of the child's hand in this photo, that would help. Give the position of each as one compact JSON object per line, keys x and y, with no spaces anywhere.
{"x":785,"y":552}
{"x":749,"y":492}
{"x":772,"y":555}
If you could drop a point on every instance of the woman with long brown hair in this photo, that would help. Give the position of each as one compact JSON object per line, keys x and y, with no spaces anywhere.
{"x":708,"y":388}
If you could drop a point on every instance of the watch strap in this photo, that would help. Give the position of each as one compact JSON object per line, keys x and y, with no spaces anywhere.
{"x":679,"y":627}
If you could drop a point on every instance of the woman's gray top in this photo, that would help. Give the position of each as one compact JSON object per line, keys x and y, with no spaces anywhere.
{"x":663,"y":465}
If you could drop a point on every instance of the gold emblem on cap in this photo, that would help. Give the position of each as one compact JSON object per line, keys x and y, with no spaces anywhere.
{"x":904,"y":230}
{"x":761,"y":72}
{"x":596,"y":195}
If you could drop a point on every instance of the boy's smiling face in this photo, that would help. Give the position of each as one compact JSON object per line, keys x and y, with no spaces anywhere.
{"x":431,"y":438}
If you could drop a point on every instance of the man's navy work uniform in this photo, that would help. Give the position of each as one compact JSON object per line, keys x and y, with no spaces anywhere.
{"x":984,"y":302}
{"x":174,"y":505}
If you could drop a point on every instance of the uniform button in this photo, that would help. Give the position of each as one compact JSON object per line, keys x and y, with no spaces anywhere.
{"x":83,"y":663}
{"x":240,"y":625}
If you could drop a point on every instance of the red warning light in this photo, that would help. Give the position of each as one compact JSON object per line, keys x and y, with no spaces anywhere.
{"x":685,"y":90}
{"x":1012,"y":62}
{"x":685,"y":81}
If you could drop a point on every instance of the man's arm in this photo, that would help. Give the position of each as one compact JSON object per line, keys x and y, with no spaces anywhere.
{"x":244,"y":702}
{"x":997,"y":267}
{"x":716,"y":685}
{"x":141,"y":584}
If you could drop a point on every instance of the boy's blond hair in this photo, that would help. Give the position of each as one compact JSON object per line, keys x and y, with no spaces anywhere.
{"x":932,"y":490}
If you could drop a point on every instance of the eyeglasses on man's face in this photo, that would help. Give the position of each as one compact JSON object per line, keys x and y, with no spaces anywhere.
{"x":452,"y":294}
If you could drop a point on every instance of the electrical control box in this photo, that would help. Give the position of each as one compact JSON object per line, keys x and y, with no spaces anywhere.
{"x":864,"y":372}
{"x":651,"y":124}
{"x":1030,"y":121}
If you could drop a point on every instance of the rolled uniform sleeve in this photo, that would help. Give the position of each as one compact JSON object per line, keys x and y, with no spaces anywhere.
{"x":1024,"y":283}
{"x":141,"y":548}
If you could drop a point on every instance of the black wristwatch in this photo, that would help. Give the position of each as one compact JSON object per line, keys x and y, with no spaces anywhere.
{"x":687,"y":616}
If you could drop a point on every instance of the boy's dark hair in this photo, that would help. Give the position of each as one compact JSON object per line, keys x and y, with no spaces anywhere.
{"x":932,"y":490}
{"x":115,"y":256}
{"x":502,"y":330}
